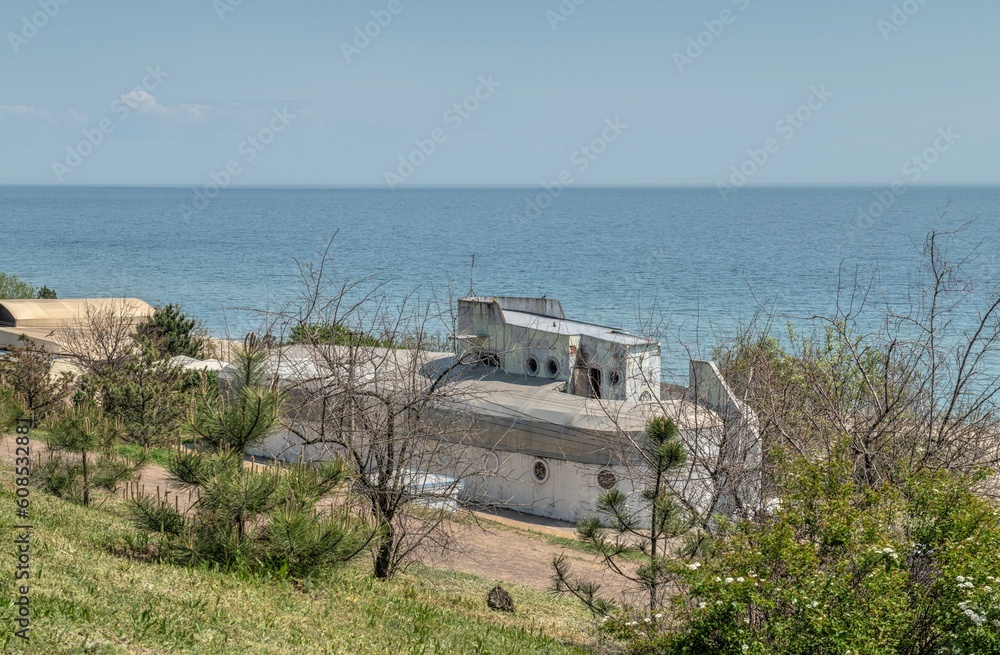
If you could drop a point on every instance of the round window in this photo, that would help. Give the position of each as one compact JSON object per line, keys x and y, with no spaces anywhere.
{"x":614,"y":378}
{"x":491,"y":462}
{"x":540,"y":470}
{"x":552,"y":366}
{"x":532,"y":366}
{"x":606,"y":479}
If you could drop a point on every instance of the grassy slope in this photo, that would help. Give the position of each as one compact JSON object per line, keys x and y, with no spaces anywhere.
{"x":85,"y":600}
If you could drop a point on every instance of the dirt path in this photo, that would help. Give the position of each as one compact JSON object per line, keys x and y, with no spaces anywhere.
{"x":499,"y":549}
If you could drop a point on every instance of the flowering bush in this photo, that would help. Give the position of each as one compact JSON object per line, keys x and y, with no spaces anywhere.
{"x":844,"y":568}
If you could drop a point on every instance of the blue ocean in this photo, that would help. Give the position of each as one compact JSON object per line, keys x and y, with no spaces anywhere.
{"x":611,"y":255}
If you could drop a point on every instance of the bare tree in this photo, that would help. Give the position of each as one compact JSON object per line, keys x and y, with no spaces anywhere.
{"x":105,"y":337}
{"x":911,"y":388}
{"x":27,"y":370}
{"x":366,"y":381}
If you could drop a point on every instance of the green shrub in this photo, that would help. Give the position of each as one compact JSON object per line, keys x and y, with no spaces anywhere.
{"x":171,"y":333}
{"x":13,"y":288}
{"x":335,"y":334}
{"x":837,"y":568}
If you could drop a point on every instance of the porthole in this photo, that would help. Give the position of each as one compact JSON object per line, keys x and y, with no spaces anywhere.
{"x":614,"y":378}
{"x":645,"y":396}
{"x":491,"y":462}
{"x":540,"y":470}
{"x":531,"y":366}
{"x":606,"y":479}
{"x":552,"y":367}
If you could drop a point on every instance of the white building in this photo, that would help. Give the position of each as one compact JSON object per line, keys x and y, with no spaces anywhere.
{"x":556,"y":411}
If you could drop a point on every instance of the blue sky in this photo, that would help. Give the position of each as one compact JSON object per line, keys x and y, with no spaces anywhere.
{"x":231,"y":74}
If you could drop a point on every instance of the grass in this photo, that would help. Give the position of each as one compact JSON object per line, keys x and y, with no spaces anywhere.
{"x":86,"y":600}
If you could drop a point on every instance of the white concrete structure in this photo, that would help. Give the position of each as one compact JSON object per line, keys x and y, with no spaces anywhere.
{"x":549,"y":442}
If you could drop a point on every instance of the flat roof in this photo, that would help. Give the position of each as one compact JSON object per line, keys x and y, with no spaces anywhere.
{"x":488,"y":390}
{"x":567,"y":327}
{"x":69,"y":312}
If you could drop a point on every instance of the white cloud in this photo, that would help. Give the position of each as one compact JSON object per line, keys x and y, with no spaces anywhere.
{"x":24,"y":112}
{"x":144,"y":102}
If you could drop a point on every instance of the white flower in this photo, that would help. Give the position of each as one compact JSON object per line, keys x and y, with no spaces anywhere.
{"x":694,"y":566}
{"x":729,"y":581}
{"x":744,"y":648}
{"x":660,"y":616}
{"x":815,"y":603}
{"x":960,"y":578}
{"x":648,"y":620}
{"x":701,"y":605}
{"x":739,"y":579}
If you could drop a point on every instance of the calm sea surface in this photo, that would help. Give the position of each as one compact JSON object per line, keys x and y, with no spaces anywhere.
{"x":608,"y":254}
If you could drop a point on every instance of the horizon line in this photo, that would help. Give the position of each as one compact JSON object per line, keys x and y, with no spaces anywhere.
{"x":472,"y":187}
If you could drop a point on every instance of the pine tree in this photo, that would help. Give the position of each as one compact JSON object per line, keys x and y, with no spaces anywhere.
{"x":82,"y":457}
{"x":145,"y":395}
{"x":171,"y":333}
{"x":643,"y":531}
{"x":243,"y":517}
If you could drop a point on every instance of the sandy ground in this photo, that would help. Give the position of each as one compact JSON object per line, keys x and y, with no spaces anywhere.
{"x":503,"y":547}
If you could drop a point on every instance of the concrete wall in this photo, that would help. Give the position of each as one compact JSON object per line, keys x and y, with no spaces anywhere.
{"x":740,"y":455}
{"x":482,"y":328}
{"x":637,"y":368}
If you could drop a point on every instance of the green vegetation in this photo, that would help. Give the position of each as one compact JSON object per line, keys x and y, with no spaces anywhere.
{"x":171,"y":333}
{"x":840,"y":567}
{"x":246,"y":519}
{"x":13,"y":288}
{"x":45,"y":293}
{"x":632,"y":535}
{"x":86,"y":599}
{"x":27,"y":372}
{"x":10,"y":409}
{"x":145,"y":394}
{"x":81,"y":456}
{"x":246,"y":413}
{"x":335,"y":334}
